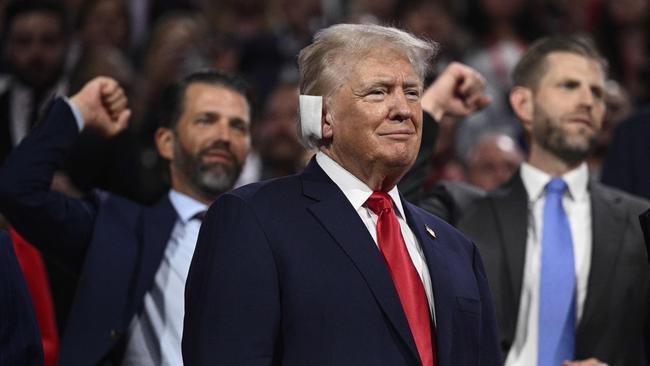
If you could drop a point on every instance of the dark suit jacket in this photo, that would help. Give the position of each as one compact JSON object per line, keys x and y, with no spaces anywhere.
{"x":20,"y":340}
{"x":286,"y":273}
{"x":615,"y":322}
{"x":644,"y":220}
{"x":626,"y":165}
{"x":115,"y":244}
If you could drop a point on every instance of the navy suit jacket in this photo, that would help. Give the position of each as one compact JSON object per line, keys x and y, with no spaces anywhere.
{"x":20,"y":340}
{"x":286,"y":273}
{"x":626,"y":164}
{"x":115,"y":244}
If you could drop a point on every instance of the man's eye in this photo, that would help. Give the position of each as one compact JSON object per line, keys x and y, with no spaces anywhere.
{"x":569,"y":85}
{"x":241,"y":127}
{"x":413,"y":94}
{"x":597,"y":93}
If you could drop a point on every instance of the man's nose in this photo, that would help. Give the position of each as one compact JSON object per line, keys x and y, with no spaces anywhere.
{"x":400,"y":108}
{"x":587,"y":99}
{"x":220,"y":131}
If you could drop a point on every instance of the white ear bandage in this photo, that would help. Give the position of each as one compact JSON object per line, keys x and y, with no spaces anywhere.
{"x":311,"y":111}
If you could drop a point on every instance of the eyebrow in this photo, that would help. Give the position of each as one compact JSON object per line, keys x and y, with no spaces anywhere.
{"x":389,"y":81}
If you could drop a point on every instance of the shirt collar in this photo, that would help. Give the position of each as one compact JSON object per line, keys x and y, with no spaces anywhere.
{"x":535,"y":181}
{"x":356,"y":191}
{"x":185,"y":206}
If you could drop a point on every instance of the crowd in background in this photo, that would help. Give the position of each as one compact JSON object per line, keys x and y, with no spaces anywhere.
{"x":148,"y":44}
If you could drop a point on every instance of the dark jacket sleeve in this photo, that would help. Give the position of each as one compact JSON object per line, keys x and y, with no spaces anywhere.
{"x":20,"y":340}
{"x":55,"y":223}
{"x":451,"y":200}
{"x":626,"y":163}
{"x":232,"y":300}
{"x":412,"y":183}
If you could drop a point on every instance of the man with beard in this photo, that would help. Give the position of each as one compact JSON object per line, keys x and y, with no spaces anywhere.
{"x":34,"y":52}
{"x":564,"y":254}
{"x":132,"y":260}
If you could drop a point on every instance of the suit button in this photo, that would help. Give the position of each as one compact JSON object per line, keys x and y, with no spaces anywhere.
{"x":115,"y":334}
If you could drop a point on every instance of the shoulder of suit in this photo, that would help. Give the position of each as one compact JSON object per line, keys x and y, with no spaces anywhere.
{"x":267,"y":189}
{"x":117,"y":205}
{"x":617,"y":196}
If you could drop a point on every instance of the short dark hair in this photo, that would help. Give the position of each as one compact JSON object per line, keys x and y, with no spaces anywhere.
{"x":173,"y":99}
{"x":532,"y":65}
{"x":17,"y":8}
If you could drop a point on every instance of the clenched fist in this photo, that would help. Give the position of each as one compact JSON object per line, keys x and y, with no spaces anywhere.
{"x":103,"y":105}
{"x":458,"y":92}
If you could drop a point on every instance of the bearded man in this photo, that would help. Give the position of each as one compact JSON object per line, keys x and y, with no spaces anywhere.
{"x":564,"y":254}
{"x":132,"y":260}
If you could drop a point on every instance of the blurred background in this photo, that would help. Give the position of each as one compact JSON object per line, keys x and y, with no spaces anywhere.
{"x":146,"y":44}
{"x":53,"y":47}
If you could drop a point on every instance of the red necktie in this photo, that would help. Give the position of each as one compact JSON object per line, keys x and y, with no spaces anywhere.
{"x":405,"y":276}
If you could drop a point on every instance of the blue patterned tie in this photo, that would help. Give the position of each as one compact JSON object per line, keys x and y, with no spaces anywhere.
{"x":557,"y":311}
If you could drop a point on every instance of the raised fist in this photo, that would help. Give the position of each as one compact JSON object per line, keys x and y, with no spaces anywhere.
{"x":457,"y":93}
{"x":103,"y":105}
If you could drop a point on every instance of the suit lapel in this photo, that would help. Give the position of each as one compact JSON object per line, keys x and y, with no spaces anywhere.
{"x":443,"y":295}
{"x":511,"y":207}
{"x":157,"y":225}
{"x":608,"y":225}
{"x":338,"y":217}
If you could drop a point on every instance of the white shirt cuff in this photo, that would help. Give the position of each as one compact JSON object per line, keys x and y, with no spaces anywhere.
{"x":77,"y":114}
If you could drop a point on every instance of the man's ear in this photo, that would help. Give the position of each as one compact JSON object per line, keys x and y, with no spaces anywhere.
{"x":326,"y":124}
{"x":165,"y":142}
{"x":521,"y":100}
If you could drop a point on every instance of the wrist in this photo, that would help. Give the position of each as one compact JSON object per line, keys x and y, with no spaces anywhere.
{"x":436,"y":112}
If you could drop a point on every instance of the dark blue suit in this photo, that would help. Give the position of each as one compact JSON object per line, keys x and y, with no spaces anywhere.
{"x":115,"y":244}
{"x":626,"y":165}
{"x":286,"y":273}
{"x":20,"y":340}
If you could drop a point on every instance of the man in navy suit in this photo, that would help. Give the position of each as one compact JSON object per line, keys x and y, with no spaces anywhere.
{"x":333,"y":266}
{"x":132,"y":259}
{"x":20,"y":340}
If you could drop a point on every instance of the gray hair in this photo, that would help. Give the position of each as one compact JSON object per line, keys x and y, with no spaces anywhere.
{"x":322,"y":63}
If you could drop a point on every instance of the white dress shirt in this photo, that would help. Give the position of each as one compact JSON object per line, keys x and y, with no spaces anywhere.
{"x":357,"y":193}
{"x":155,"y":335}
{"x":577,"y":205}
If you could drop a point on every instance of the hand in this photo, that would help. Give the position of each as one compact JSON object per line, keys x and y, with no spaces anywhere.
{"x":589,"y":362}
{"x":103,"y":105}
{"x":458,"y":92}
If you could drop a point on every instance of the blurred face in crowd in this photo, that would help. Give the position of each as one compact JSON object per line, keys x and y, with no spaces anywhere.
{"x":493,"y":162}
{"x":430,"y":20}
{"x":35,"y":48}
{"x":502,"y":9}
{"x":107,"y":24}
{"x":618,"y":107}
{"x":568,"y":106}
{"x":374,"y":120}
{"x":210,"y":141}
{"x":277,"y":137}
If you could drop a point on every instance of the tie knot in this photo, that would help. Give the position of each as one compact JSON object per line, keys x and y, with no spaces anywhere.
{"x":556,"y":185}
{"x":379,"y":201}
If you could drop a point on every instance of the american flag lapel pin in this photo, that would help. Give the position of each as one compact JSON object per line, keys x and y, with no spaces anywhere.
{"x":430,"y":231}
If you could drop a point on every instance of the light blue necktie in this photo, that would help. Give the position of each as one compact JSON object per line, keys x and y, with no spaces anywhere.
{"x":557,"y":311}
